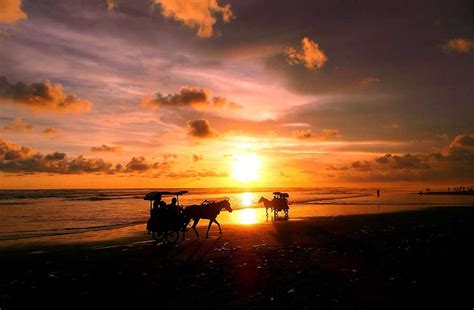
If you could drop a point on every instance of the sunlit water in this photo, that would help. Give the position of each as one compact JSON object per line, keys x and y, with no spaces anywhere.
{"x":33,"y":214}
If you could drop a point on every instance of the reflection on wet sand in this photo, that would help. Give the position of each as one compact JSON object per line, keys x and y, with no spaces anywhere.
{"x":247,"y":216}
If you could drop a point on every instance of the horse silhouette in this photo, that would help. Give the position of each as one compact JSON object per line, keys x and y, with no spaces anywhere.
{"x":267,"y":203}
{"x":207,"y":210}
{"x":275,"y":205}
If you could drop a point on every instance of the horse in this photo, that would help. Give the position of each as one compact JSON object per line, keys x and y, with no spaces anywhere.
{"x":267,"y":203}
{"x":206,"y":210}
{"x":275,"y":205}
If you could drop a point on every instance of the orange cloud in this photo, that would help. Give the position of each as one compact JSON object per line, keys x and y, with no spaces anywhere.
{"x":106,"y":148}
{"x":458,"y":46}
{"x":18,"y":125}
{"x":304,"y":134}
{"x":44,"y":96}
{"x":197,"y":157}
{"x":196,"y":14}
{"x":310,"y":55}
{"x":11,"y":12}
{"x":111,"y":5}
{"x":190,"y":96}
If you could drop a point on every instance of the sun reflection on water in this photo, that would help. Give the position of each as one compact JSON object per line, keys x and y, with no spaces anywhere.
{"x":246,"y":199}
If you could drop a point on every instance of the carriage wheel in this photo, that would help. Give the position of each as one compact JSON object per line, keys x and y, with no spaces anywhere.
{"x":286,"y":214}
{"x":158,"y":236}
{"x":172,"y":236}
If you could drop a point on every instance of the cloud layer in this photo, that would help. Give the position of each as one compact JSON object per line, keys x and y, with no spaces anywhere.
{"x":41,"y":97}
{"x":24,"y":159}
{"x":454,"y":162}
{"x":18,"y":125}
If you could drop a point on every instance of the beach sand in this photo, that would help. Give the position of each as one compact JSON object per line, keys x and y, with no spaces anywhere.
{"x":394,"y":260}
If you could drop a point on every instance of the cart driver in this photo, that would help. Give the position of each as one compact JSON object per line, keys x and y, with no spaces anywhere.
{"x":174,"y":205}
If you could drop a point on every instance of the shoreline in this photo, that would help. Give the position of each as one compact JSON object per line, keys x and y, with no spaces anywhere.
{"x":137,"y":230}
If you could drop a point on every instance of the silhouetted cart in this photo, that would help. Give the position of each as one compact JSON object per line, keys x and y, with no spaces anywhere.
{"x":165,"y":223}
{"x":280,"y":203}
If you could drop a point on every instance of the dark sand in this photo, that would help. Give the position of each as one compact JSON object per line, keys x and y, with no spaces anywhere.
{"x":401,"y":260}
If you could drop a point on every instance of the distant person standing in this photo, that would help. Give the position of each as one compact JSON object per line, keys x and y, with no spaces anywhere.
{"x":378,"y":193}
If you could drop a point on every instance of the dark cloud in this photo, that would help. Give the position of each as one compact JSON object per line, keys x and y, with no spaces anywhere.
{"x":44,"y":96}
{"x":138,"y":164}
{"x":50,"y":131}
{"x":141,"y":164}
{"x":23,"y":159}
{"x":106,"y":148}
{"x":190,"y":96}
{"x":323,"y":135}
{"x":199,"y":128}
{"x":362,"y":165}
{"x":453,"y":163}
{"x":463,"y":141}
{"x":406,"y":161}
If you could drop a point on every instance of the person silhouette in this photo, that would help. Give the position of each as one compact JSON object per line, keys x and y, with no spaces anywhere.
{"x":154,"y":215}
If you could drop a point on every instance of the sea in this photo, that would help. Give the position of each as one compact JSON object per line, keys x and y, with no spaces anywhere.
{"x":36,"y":214}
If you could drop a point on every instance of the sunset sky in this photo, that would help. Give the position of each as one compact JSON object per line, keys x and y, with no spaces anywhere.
{"x":206,"y":93}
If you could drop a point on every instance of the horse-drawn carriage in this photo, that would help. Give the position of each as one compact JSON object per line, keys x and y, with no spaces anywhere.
{"x":277,"y":204}
{"x":167,"y":221}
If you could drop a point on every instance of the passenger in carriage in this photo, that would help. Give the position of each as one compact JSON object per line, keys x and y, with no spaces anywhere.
{"x":154,"y":215}
{"x":174,"y":211}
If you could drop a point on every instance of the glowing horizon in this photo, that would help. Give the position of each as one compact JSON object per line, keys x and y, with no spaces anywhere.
{"x":189,"y":96}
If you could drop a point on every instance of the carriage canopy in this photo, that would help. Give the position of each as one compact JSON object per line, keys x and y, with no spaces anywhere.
{"x":158,"y":195}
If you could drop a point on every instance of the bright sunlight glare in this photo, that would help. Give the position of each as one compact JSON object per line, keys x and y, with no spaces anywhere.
{"x":247,"y":216}
{"x":245,"y":167}
{"x":246,"y":199}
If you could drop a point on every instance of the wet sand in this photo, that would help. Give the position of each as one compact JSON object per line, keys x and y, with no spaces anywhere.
{"x":397,"y":260}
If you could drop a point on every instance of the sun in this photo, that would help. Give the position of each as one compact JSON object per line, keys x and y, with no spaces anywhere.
{"x":245,"y":167}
